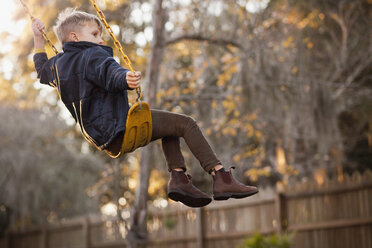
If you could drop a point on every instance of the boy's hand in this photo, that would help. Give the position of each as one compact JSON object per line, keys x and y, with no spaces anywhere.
{"x":133,"y":79}
{"x":37,"y":26}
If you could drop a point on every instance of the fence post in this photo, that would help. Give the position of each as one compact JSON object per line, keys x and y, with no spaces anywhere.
{"x":44,"y":237}
{"x":86,"y":233}
{"x":200,"y":227}
{"x":280,"y":212}
{"x":7,"y":239}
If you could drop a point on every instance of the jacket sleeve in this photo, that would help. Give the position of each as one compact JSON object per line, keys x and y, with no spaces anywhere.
{"x":102,"y":70}
{"x":43,"y":69}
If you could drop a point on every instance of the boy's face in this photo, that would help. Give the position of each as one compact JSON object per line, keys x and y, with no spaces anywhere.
{"x":89,"y":32}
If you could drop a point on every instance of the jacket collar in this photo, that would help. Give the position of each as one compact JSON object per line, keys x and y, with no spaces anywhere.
{"x":81,"y":45}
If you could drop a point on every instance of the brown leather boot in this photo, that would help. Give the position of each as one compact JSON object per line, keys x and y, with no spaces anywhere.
{"x":181,"y":189}
{"x":226,"y":186}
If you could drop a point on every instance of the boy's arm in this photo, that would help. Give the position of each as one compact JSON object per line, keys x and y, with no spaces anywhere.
{"x":40,"y":59}
{"x":40,"y":56}
{"x":103,"y":70}
{"x":39,"y":42}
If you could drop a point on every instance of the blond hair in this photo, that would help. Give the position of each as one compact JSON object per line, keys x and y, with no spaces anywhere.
{"x":71,"y":20}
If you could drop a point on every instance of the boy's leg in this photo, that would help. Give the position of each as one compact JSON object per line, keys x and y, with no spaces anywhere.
{"x":170,"y":127}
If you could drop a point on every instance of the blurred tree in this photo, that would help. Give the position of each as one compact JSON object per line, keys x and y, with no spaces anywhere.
{"x":43,"y":174}
{"x":261,"y":65}
{"x":138,"y":230}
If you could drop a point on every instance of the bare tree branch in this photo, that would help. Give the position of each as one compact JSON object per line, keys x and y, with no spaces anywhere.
{"x":350,"y":79}
{"x":199,"y":37}
{"x":194,"y":97}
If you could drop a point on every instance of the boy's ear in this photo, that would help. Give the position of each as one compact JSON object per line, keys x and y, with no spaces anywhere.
{"x":72,"y":36}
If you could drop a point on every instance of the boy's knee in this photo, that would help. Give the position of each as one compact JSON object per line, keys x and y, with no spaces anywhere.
{"x":190,"y":122}
{"x":184,"y":123}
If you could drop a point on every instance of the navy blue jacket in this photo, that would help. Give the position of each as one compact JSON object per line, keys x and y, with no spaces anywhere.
{"x":92,"y":85}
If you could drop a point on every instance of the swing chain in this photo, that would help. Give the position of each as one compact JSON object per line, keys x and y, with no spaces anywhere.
{"x":45,"y":36}
{"x":49,"y":41}
{"x":117,"y":44}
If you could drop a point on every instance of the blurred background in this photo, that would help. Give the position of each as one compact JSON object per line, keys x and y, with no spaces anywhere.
{"x":281,"y":89}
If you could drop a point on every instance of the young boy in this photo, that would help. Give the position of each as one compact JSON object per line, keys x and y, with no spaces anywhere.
{"x":92,"y":85}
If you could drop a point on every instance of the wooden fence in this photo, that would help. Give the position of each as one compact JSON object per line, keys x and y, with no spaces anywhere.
{"x":332,"y":214}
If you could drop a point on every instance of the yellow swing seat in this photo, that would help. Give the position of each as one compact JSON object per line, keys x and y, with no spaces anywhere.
{"x":138,"y":130}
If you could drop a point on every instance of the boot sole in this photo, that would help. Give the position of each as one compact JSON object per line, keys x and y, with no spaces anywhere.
{"x":227,"y":195}
{"x":188,"y":200}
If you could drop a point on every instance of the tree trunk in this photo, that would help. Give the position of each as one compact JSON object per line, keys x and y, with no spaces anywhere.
{"x":329,"y":143}
{"x":138,"y":232}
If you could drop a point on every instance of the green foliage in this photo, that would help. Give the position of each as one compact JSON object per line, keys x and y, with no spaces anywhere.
{"x":170,"y":223}
{"x":272,"y":241}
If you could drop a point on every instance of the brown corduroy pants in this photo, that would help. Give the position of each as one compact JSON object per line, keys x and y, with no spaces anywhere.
{"x":170,"y":127}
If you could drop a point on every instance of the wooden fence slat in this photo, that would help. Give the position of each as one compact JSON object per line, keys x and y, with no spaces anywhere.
{"x":340,"y":190}
{"x":331,"y":224}
{"x":281,"y":218}
{"x":7,"y":239}
{"x":86,"y":233}
{"x":200,"y":227}
{"x":236,"y":235}
{"x":44,"y":237}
